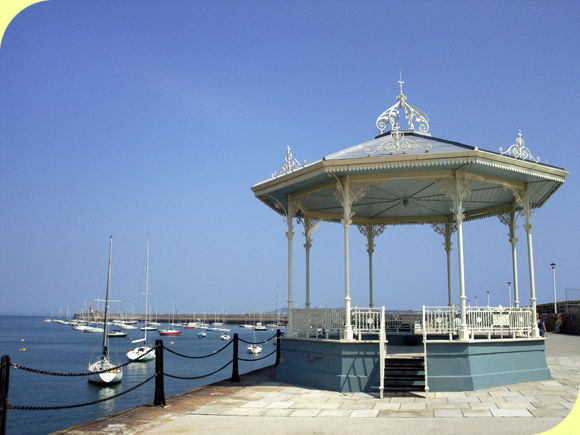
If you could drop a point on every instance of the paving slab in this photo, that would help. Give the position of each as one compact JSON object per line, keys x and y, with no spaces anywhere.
{"x":455,"y":413}
{"x":406,"y":406}
{"x":334,"y":413}
{"x":390,"y":406}
{"x":470,"y":413}
{"x":305,"y":412}
{"x":364,"y":413}
{"x":511,"y":412}
{"x":461,"y":405}
{"x":279,"y":405}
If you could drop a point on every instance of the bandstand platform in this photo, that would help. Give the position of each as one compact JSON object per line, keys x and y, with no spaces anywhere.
{"x":408,"y":177}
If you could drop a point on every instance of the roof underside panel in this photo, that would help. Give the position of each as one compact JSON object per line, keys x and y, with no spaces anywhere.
{"x":400,"y":198}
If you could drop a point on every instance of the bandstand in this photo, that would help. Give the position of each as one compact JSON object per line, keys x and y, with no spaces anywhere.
{"x":408,"y":177}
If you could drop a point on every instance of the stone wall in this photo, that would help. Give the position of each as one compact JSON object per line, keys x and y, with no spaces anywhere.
{"x":568,"y":323}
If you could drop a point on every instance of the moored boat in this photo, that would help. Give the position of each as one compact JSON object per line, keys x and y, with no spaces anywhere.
{"x":254,"y":349}
{"x":260,"y":327}
{"x":169,"y":331}
{"x":144,"y":353}
{"x":103,"y":370}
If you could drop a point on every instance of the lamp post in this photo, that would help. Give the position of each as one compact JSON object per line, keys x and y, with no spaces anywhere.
{"x":488,"y":298}
{"x":554,"y":280}
{"x":476,"y":302}
{"x":510,"y":292}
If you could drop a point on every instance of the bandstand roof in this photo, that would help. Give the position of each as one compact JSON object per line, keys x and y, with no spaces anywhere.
{"x":403,"y":172}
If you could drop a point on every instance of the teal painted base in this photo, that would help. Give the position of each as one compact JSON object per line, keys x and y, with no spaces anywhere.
{"x":329,"y":365}
{"x":468,"y":366}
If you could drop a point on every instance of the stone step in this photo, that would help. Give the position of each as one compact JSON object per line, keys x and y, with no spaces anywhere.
{"x":400,"y":367}
{"x":403,"y":378}
{"x":404,"y":361}
{"x":403,"y":388}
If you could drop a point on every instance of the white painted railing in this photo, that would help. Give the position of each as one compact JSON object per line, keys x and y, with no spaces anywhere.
{"x":367,"y":320}
{"x":496,"y":322}
{"x":324,"y":321}
{"x":372,"y":321}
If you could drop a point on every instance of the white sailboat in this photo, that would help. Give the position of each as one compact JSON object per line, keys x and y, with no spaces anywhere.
{"x":111,"y":375}
{"x":254,"y":349}
{"x":140,"y":353}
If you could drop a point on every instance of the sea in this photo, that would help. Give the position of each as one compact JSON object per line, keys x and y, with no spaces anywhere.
{"x":31,"y":342}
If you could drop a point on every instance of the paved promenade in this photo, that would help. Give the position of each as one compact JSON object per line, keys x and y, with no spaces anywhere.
{"x":259,"y":405}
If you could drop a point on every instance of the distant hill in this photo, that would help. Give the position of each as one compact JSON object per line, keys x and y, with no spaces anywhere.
{"x":283,"y":310}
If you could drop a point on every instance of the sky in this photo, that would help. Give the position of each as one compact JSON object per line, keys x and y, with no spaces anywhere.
{"x":150,"y":119}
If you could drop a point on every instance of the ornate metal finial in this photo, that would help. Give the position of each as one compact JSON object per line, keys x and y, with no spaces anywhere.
{"x":412,"y":114}
{"x":290,"y":164}
{"x":519,"y":151}
{"x":401,"y":82}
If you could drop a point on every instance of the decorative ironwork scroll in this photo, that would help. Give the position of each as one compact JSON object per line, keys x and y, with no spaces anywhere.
{"x":412,"y":114}
{"x":397,"y":143}
{"x":458,"y":189}
{"x":519,"y":150}
{"x":371,"y":231}
{"x":445,"y":230}
{"x":355,"y":192}
{"x":290,"y":164}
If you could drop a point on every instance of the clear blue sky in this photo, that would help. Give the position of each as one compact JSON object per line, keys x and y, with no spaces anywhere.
{"x":137,"y":117}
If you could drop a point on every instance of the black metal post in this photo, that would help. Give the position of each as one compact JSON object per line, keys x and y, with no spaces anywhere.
{"x":235,"y":372}
{"x":4,"y":378}
{"x":159,"y":399}
{"x":278,"y":334}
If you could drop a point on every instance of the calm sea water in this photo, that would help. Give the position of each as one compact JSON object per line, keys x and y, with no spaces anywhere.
{"x":55,"y":347}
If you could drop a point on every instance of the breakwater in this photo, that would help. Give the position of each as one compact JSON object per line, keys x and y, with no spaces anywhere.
{"x":228,"y":319}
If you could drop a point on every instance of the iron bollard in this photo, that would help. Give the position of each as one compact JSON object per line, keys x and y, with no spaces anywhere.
{"x":159,"y":399}
{"x":235,"y":372}
{"x":4,"y":378}
{"x":278,"y":334}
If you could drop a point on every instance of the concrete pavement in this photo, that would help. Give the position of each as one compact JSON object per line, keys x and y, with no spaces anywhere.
{"x":260,"y":405}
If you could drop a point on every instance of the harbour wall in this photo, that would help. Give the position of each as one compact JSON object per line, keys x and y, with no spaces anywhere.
{"x":230,"y":319}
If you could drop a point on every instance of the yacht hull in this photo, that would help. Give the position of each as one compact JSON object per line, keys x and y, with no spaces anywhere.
{"x":112,"y":376}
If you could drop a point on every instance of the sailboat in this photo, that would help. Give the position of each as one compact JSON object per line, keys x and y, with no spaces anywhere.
{"x":111,"y":375}
{"x":140,"y":352}
{"x":254,"y":349}
{"x":170,"y":330}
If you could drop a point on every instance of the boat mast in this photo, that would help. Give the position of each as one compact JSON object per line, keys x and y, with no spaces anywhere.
{"x":146,"y":291}
{"x":277,"y":307}
{"x":105,"y":338}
